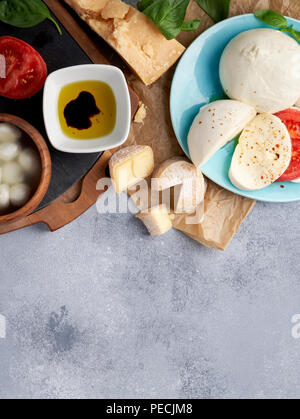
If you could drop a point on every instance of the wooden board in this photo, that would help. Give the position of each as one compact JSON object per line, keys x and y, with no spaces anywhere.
{"x":83,"y":194}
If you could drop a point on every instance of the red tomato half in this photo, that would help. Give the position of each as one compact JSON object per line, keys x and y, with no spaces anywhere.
{"x":26,"y":71}
{"x":291,"y":119}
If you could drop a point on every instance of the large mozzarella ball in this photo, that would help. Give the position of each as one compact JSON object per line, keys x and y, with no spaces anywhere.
{"x":261,"y":67}
{"x":12,"y":173}
{"x":9,"y":133}
{"x":9,"y":151}
{"x":4,"y":197}
{"x":19,"y":194}
{"x":29,"y":161}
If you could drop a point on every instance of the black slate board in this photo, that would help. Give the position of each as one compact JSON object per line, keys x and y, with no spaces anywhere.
{"x":58,"y":52}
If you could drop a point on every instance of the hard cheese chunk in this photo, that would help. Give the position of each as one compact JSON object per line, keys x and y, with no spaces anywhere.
{"x":263,"y":154}
{"x":130,"y":165}
{"x":132,"y":35}
{"x":156,"y":219}
{"x":188,"y":180}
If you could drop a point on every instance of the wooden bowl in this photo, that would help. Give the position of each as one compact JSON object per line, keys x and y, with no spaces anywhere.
{"x":43,"y":151}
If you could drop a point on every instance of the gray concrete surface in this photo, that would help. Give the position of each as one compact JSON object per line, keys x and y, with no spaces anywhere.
{"x":100,"y":309}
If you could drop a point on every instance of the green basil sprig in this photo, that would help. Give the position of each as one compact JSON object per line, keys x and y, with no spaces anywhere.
{"x":25,"y":13}
{"x":275,"y":19}
{"x":216,"y":9}
{"x":168,"y":16}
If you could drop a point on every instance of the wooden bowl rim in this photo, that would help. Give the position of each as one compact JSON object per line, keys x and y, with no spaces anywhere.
{"x":45,"y":157}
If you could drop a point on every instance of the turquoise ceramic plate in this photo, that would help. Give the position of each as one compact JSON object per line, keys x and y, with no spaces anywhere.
{"x":196,"y":82}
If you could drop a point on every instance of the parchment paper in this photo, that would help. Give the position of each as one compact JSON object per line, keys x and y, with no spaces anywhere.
{"x":223,"y":211}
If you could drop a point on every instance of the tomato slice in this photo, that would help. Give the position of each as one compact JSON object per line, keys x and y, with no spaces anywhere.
{"x":26,"y":71}
{"x":291,"y":119}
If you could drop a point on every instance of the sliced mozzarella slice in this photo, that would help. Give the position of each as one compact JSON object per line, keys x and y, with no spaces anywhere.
{"x":215,"y":125}
{"x":263,"y":154}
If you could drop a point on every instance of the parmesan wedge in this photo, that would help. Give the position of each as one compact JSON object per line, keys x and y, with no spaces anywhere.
{"x":130,"y":165}
{"x":263,"y":154}
{"x":179,"y":171}
{"x":132,"y":35}
{"x":156,"y":219}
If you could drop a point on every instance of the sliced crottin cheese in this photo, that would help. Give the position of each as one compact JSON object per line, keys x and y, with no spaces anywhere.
{"x":156,"y":219}
{"x":130,"y":165}
{"x":132,"y":35}
{"x":214,"y":126}
{"x":188,"y":179}
{"x":189,"y":195}
{"x":263,"y":154}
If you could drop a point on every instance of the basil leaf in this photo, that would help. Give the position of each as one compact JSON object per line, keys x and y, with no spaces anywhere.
{"x":25,"y":13}
{"x":167,"y":15}
{"x":272,"y":18}
{"x":293,"y":32}
{"x":142,"y":5}
{"x":296,"y":34}
{"x":191,"y":25}
{"x":216,"y":9}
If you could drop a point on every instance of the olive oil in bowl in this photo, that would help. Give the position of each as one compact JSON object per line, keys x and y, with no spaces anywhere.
{"x":87,"y":110}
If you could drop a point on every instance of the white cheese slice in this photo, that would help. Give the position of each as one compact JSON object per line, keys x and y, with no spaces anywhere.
{"x":215,"y":125}
{"x":263,"y":154}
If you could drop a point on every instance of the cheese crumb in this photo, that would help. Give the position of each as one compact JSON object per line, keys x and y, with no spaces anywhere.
{"x":141,"y":114}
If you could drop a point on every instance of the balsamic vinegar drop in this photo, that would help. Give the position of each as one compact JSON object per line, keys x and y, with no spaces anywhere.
{"x":87,"y":110}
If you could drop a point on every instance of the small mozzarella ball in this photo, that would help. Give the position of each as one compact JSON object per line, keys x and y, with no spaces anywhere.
{"x":9,"y":151}
{"x":19,"y":194}
{"x":4,"y":197}
{"x":9,"y":133}
{"x":12,"y":173}
{"x":29,"y":161}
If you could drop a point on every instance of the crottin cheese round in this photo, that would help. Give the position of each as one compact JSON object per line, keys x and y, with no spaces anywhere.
{"x":261,"y":67}
{"x":263,"y":154}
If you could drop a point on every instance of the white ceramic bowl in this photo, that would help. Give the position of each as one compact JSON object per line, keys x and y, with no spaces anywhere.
{"x":111,"y":75}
